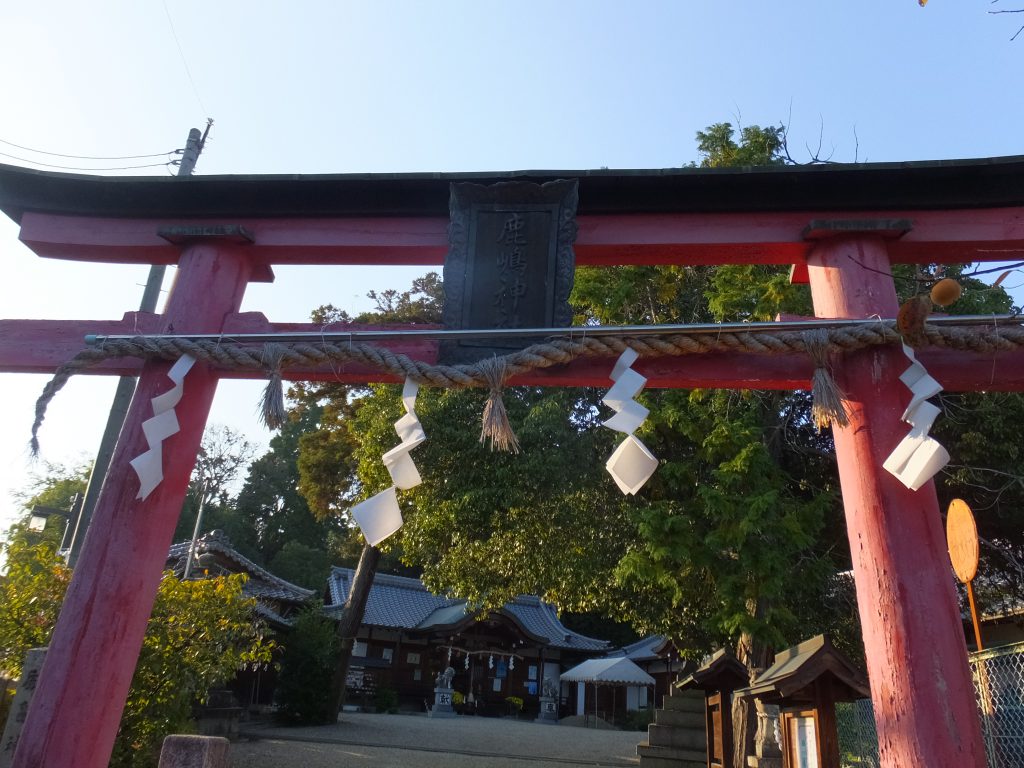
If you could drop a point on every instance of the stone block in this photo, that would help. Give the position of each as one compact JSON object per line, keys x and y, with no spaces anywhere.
{"x":180,"y":751}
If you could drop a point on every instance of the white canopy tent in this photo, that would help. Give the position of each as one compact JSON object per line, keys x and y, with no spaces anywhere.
{"x":608,"y":671}
{"x":613,"y":671}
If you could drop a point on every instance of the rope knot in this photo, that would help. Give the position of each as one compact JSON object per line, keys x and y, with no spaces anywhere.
{"x":828,"y":407}
{"x":496,"y":427}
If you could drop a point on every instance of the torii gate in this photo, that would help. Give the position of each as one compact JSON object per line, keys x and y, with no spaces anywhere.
{"x":840,"y":226}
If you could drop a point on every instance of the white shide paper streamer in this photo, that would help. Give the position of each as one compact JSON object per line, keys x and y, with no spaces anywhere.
{"x":632,"y":464}
{"x":918,"y":457}
{"x":380,"y":516}
{"x":149,"y":466}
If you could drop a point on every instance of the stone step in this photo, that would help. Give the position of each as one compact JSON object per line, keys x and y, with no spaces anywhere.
{"x":684,"y":701}
{"x":679,"y":738}
{"x":667,"y":757}
{"x":680,"y":719}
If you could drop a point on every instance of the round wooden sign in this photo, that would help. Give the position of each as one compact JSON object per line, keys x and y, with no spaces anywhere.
{"x":962,"y":538}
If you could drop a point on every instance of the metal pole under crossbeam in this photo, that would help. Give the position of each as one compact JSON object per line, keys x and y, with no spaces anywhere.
{"x":576,"y":332}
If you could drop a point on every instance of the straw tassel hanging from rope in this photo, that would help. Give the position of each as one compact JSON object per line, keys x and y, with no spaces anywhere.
{"x":828,"y":407}
{"x":272,"y":411}
{"x":495,"y":426}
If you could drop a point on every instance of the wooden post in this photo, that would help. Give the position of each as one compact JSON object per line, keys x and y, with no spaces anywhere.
{"x":77,"y":707}
{"x":826,"y":728}
{"x":913,"y":638}
{"x":351,"y":619}
{"x":974,"y":615}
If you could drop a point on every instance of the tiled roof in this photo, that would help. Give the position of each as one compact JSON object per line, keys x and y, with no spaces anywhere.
{"x":271,"y":615}
{"x":641,"y":650}
{"x":261,"y":584}
{"x":400,"y":602}
{"x":541,"y":619}
{"x":394,"y":601}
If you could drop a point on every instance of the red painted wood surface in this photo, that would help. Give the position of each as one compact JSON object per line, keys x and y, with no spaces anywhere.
{"x":77,"y":705}
{"x":40,"y":346}
{"x":921,"y":686}
{"x":955,"y":236}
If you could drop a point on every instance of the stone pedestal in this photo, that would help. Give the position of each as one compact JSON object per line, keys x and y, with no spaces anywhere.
{"x":548,"y":711}
{"x":442,"y":703}
{"x":195,"y":752}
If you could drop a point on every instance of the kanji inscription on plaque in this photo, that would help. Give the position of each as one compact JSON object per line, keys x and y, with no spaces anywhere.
{"x":511,"y":261}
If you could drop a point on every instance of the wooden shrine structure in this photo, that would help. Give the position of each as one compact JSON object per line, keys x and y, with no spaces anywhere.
{"x":806,"y":681}
{"x":839,"y":227}
{"x":717,"y":678}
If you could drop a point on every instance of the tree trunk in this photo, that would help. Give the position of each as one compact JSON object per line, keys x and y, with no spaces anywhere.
{"x":351,"y":618}
{"x":756,"y":656}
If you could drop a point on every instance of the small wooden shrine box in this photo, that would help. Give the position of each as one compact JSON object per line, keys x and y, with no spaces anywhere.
{"x":806,"y":681}
{"x":718,"y":678}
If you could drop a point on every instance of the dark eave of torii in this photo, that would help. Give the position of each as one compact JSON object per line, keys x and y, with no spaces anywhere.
{"x":954,"y":211}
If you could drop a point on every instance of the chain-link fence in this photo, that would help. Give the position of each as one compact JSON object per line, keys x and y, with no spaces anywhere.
{"x":999,"y":685}
{"x":858,"y":740}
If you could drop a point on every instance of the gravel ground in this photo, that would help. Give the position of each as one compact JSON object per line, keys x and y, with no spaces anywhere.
{"x":395,"y":741}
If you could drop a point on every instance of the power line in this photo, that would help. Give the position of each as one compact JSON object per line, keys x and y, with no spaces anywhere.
{"x":184,"y":61}
{"x":86,"y":157}
{"x":72,"y":168}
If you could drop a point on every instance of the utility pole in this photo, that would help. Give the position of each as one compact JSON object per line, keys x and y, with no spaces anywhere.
{"x":126,"y":384}
{"x":195,"y":533}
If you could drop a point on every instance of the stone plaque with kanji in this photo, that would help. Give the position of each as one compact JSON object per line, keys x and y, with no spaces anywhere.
{"x":510,"y":264}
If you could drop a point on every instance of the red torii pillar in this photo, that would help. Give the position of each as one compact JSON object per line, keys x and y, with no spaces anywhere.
{"x":921,"y":687}
{"x":76,"y":708}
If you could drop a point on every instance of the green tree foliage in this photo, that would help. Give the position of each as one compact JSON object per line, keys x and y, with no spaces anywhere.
{"x":55,"y":485}
{"x":270,"y":510}
{"x":31,"y":593}
{"x":302,"y":564}
{"x":757,"y":146}
{"x":199,"y":634}
{"x":488,"y":525}
{"x":303,"y":691}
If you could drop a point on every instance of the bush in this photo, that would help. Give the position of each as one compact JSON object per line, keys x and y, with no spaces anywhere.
{"x":30,"y":598}
{"x":386,"y":700}
{"x":199,"y":634}
{"x":310,"y":657}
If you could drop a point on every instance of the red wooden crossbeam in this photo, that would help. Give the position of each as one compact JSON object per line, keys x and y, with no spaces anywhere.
{"x":958,"y":236}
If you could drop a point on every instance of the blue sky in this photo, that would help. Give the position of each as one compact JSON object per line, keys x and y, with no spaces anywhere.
{"x":338,"y":87}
